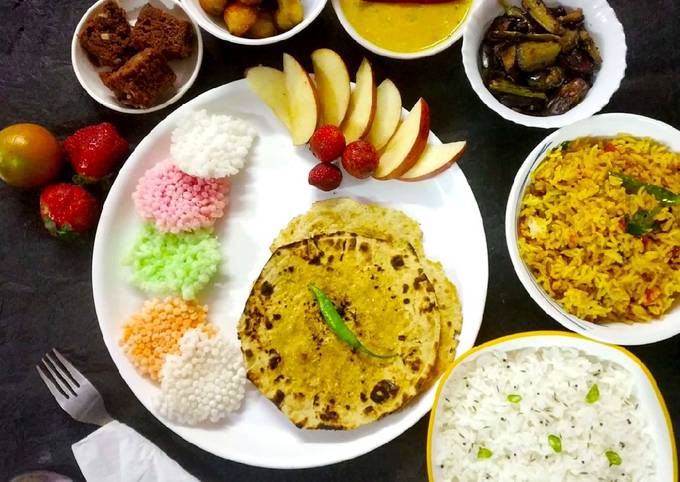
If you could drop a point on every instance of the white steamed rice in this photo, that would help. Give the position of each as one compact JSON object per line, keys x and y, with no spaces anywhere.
{"x":553,"y":383}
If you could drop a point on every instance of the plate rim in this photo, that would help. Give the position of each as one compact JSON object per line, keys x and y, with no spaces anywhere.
{"x":524,"y":335}
{"x":108,"y":210}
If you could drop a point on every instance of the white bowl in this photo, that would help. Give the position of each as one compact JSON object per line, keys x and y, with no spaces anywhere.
{"x":186,"y":70}
{"x":215,"y":25}
{"x":648,"y":393}
{"x":604,"y":125}
{"x":453,"y":38}
{"x":606,"y":30}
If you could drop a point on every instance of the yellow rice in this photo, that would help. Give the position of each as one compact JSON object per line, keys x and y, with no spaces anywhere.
{"x":572,"y":229}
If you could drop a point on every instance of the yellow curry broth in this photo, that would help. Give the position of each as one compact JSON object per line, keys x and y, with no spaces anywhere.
{"x":405,"y":27}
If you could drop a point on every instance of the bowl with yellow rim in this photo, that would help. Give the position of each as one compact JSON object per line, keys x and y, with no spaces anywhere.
{"x":403,"y":29}
{"x":646,"y":391}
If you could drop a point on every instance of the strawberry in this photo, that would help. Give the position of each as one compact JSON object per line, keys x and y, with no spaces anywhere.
{"x":360,"y":159}
{"x":94,"y":151}
{"x":68,"y":210}
{"x":327,"y":143}
{"x":325,"y":176}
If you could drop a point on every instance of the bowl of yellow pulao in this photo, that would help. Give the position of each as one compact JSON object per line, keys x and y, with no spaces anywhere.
{"x":593,"y":228}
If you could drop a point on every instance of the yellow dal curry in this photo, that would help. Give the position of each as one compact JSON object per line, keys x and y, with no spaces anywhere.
{"x":405,"y":27}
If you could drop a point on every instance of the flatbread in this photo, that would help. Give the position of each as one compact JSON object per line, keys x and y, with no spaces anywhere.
{"x":344,"y":214}
{"x":301,"y":365}
{"x":348,"y":215}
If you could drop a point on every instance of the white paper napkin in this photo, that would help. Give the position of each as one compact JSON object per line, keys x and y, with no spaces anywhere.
{"x":116,"y":453}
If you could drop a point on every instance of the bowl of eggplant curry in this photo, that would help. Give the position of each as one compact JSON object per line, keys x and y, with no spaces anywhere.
{"x":539,"y":60}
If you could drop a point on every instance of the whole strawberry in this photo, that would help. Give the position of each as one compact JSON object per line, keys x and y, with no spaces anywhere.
{"x":360,"y":159}
{"x":94,"y":151}
{"x":325,"y":176}
{"x":327,"y":143}
{"x":68,"y":210}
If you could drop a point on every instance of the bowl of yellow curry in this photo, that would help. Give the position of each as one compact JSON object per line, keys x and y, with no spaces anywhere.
{"x":403,"y":29}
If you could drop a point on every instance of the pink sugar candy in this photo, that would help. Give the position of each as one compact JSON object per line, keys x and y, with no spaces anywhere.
{"x":176,"y":201}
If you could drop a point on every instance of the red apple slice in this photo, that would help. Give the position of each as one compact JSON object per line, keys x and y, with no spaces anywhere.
{"x":303,"y":103}
{"x":270,"y":86}
{"x":332,"y":86}
{"x":362,"y":104}
{"x":435,"y":159}
{"x":406,"y":145}
{"x":387,"y":114}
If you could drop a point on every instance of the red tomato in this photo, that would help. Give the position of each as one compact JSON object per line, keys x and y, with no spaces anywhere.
{"x":30,"y":155}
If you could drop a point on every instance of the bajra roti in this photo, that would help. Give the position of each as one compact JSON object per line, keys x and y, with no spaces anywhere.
{"x":295,"y":359}
{"x":344,"y":214}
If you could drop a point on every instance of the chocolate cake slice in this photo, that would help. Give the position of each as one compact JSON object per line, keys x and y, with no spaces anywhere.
{"x":142,"y":81}
{"x":106,"y":36}
{"x":155,"y":28}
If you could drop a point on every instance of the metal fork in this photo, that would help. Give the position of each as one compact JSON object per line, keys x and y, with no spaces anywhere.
{"x":72,"y":391}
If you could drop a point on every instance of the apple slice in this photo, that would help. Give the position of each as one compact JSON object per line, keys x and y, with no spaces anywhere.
{"x":332,"y":86}
{"x":270,"y":86}
{"x":387,"y":114}
{"x":406,"y":145}
{"x":362,"y":104}
{"x":303,"y":105}
{"x":435,"y":159}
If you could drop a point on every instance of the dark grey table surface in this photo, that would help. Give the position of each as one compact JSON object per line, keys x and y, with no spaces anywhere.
{"x":45,"y":287}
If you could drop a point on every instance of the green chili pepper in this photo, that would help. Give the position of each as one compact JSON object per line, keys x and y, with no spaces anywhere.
{"x":593,"y":394}
{"x":484,"y":453}
{"x":632,"y":186}
{"x":642,"y":222}
{"x":337,"y":324}
{"x":514,"y":398}
{"x":555,"y":443}
{"x":613,"y":457}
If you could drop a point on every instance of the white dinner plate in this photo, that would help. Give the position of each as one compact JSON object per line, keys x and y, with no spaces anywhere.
{"x":265,"y":195}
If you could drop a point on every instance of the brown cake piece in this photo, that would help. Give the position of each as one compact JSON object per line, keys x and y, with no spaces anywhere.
{"x":141,"y":81}
{"x":106,"y":36}
{"x":171,"y":36}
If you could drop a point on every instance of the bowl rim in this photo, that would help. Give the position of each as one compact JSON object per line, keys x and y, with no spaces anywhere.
{"x":115,"y":105}
{"x":549,"y":334}
{"x":535,"y":291}
{"x":456,"y":35}
{"x":191,"y":7}
{"x":617,"y":73}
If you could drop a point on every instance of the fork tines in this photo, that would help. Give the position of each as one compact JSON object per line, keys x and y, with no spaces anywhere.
{"x":58,"y":374}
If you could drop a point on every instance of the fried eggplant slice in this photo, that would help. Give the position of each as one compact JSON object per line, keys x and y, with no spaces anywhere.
{"x":569,"y":40}
{"x":503,"y":86}
{"x":533,"y":56}
{"x":574,"y":18}
{"x":578,"y":61}
{"x":540,"y":13}
{"x":548,"y":79}
{"x":589,"y":46}
{"x":568,"y":96}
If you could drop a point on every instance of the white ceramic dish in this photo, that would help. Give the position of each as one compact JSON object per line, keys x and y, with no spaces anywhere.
{"x":651,"y":400}
{"x":264,"y":197}
{"x":605,"y":125}
{"x":186,"y":70}
{"x":215,"y":25}
{"x":606,"y":30}
{"x":367,"y":44}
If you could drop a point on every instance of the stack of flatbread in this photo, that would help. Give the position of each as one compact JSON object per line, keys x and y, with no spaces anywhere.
{"x":370,"y":262}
